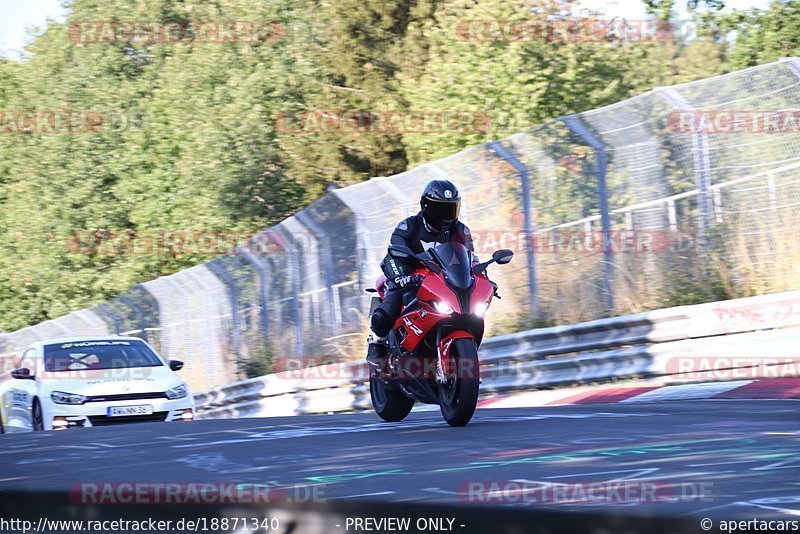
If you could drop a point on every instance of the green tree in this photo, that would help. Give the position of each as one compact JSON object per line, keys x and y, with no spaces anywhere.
{"x":477,"y":64}
{"x":187,"y":143}
{"x":763,"y":36}
{"x":361,"y":51}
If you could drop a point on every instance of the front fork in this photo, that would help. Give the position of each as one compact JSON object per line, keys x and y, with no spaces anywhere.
{"x":441,"y":371}
{"x":443,"y":346}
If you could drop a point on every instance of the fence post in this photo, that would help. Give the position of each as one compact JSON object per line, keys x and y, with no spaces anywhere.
{"x":530,"y":225}
{"x":294,"y":273}
{"x":233,"y":292}
{"x":139,"y":314}
{"x":702,"y":172}
{"x":263,"y":282}
{"x":327,"y":264}
{"x":574,"y":123}
{"x":106,"y":310}
{"x":792,"y":63}
{"x":91,"y":319}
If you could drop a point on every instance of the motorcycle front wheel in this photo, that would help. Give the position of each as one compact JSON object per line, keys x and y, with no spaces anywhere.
{"x":458,"y":396}
{"x":387,"y":400}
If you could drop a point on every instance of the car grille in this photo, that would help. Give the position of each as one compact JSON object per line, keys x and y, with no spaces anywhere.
{"x":127,"y":397}
{"x":102,"y":420}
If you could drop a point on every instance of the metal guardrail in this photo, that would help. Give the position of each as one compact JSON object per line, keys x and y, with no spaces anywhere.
{"x":752,"y":335}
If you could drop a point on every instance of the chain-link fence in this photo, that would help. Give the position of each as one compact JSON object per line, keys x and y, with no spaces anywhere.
{"x":679,"y":195}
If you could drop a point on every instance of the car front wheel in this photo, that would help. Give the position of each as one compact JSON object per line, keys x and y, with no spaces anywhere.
{"x":37,"y":418}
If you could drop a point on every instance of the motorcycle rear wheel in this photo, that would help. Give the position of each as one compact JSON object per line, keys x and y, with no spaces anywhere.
{"x":388,"y":401}
{"x":458,"y":397}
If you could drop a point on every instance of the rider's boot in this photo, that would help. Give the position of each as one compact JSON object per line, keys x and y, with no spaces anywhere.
{"x":377,"y":353}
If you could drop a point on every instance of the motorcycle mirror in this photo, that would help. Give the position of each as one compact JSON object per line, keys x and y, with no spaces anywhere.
{"x":503,"y":256}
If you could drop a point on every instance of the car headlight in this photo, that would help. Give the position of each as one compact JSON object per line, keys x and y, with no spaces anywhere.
{"x":61,"y":397}
{"x":178,"y":392}
{"x":480,"y":309}
{"x":442,"y":307}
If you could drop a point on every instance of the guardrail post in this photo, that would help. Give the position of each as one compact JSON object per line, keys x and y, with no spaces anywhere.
{"x":528,"y":220}
{"x":600,"y":169}
{"x":233,"y":293}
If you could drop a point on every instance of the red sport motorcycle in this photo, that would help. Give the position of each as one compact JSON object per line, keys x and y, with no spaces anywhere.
{"x":433,"y":346}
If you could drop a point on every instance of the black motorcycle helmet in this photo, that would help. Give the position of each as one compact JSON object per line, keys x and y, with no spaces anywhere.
{"x":440,"y":204}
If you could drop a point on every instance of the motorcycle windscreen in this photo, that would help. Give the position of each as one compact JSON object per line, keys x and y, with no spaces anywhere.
{"x":456,"y":260}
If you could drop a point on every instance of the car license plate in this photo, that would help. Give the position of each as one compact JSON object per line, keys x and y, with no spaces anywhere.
{"x":122,"y":411}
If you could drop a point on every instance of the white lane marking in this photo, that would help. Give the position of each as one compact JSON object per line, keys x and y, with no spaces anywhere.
{"x":439,"y":491}
{"x":787,"y":511}
{"x":779,"y":465}
{"x":177,"y":438}
{"x":728,"y":462}
{"x":416,"y":499}
{"x":637,"y":472}
{"x":58,"y":448}
{"x":685,"y":392}
{"x":364,"y":495}
{"x":697,"y":512}
{"x":400,"y":427}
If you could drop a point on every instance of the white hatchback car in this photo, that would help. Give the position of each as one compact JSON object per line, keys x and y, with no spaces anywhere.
{"x":92,"y":381}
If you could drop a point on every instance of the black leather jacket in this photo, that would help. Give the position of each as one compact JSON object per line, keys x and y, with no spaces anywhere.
{"x":415,"y":234}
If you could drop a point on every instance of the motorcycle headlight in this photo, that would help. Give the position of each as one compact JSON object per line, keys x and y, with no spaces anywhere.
{"x":480,"y":309}
{"x":442,"y":307}
{"x":178,"y":392}
{"x":61,"y":397}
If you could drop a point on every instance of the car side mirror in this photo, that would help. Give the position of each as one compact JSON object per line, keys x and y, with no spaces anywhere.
{"x":22,"y":374}
{"x":175,"y":365}
{"x":503,"y":256}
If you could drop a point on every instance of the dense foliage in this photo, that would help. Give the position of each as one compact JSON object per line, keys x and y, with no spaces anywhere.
{"x":228,"y":137}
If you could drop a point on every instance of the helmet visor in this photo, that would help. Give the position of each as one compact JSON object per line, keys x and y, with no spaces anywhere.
{"x":440,"y":213}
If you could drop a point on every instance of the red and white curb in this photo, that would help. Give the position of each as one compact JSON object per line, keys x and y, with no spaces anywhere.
{"x":774,"y":388}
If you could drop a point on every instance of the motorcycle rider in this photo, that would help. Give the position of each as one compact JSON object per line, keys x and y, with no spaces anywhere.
{"x":437,"y":222}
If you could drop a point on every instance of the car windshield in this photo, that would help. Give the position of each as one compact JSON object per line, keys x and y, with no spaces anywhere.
{"x":456,"y":260}
{"x":99,"y":354}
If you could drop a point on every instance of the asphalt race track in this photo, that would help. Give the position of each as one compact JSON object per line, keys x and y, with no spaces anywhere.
{"x":719,"y":459}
